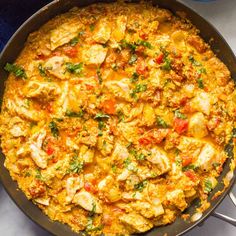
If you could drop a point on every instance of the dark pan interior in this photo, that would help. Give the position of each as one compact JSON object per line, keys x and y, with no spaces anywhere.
{"x":15,"y":45}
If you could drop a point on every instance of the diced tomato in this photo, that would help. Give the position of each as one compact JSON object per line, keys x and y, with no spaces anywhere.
{"x":49,"y":108}
{"x":154,"y":136}
{"x":141,"y":68}
{"x":159,"y":58}
{"x":143,"y":36}
{"x":56,"y":53}
{"x":183,"y":101}
{"x":89,"y":86}
{"x":191,"y":175}
{"x":54,"y":160}
{"x":70,"y":51}
{"x":107,"y":219}
{"x":41,"y":57}
{"x":109,"y":106}
{"x":89,"y":187}
{"x":187,"y":160}
{"x":50,"y":151}
{"x":180,"y":125}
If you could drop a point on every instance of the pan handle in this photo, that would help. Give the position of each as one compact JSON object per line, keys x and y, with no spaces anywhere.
{"x":225,"y":218}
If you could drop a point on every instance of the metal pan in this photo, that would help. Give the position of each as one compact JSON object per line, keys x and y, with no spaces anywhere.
{"x":12,"y":50}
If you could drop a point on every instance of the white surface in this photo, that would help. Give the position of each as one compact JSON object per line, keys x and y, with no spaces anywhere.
{"x":222,"y":14}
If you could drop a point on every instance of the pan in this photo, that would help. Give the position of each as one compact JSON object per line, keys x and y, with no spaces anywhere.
{"x":208,"y":33}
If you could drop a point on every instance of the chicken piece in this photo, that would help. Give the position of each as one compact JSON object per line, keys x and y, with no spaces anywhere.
{"x":147,"y":210}
{"x":43,"y":201}
{"x":17,"y":105}
{"x":190,"y":146}
{"x":87,"y":201}
{"x":86,"y":154}
{"x":105,"y":143}
{"x":118,"y":32}
{"x":56,"y":67}
{"x":44,"y":91}
{"x":123,"y":175}
{"x":159,"y":158}
{"x":36,"y":189}
{"x":72,"y":185}
{"x":94,"y":54}
{"x":149,"y":117}
{"x":128,"y":131}
{"x":109,"y":188}
{"x":197,"y":125}
{"x":102,"y":31}
{"x":64,"y":33}
{"x":18,"y":127}
{"x":197,"y":43}
{"x":136,"y":221}
{"x":70,"y":144}
{"x":177,"y":198}
{"x":119,"y":89}
{"x":39,"y":156}
{"x":131,"y":196}
{"x":207,"y":157}
{"x":120,"y":152}
{"x":202,"y":102}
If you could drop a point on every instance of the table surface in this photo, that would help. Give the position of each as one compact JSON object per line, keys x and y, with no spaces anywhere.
{"x":222,"y":14}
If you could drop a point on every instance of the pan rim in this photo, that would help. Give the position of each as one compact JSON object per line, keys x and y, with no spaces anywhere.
{"x":40,"y":222}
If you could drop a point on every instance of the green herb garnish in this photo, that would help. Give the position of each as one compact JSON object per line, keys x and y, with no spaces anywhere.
{"x":101,"y":116}
{"x":74,"y":114}
{"x":138,"y":89}
{"x":200,"y":83}
{"x":134,"y":77}
{"x":140,"y":186}
{"x":207,"y":186}
{"x":167,"y":64}
{"x":17,"y":70}
{"x":144,"y":43}
{"x":42,"y":71}
{"x":74,"y":68}
{"x":180,"y":115}
{"x":76,"y":166}
{"x":133,"y":59}
{"x":193,"y":61}
{"x":92,"y":27}
{"x":190,"y":167}
{"x":161,"y":122}
{"x":99,"y":75}
{"x":54,"y":129}
{"x":74,"y":41}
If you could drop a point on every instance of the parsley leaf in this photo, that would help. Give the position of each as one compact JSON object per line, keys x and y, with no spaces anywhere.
{"x":76,"y":166}
{"x":42,"y":70}
{"x":140,"y":186}
{"x":133,"y":59}
{"x":125,"y":44}
{"x":200,"y":83}
{"x":99,"y":75}
{"x":144,"y":43}
{"x":207,"y":186}
{"x":134,"y":77}
{"x":74,"y":114}
{"x":190,"y":167}
{"x":161,"y":122}
{"x":138,"y":89}
{"x":92,"y":27}
{"x":54,"y":129}
{"x":194,"y":61}
{"x":74,"y":41}
{"x":101,"y":116}
{"x":180,"y":115}
{"x":17,"y":70}
{"x":167,"y":64}
{"x":74,"y":68}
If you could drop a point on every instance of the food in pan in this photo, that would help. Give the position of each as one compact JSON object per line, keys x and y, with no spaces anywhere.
{"x":115,"y":118}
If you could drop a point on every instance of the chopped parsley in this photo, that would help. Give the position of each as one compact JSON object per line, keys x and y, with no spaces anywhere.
{"x":114,"y":66}
{"x":144,"y":43}
{"x":17,"y":70}
{"x":216,"y":164}
{"x":99,"y":75}
{"x":207,"y":186}
{"x":74,"y":41}
{"x":194,"y":61}
{"x":167,"y":64}
{"x":161,"y":122}
{"x":92,"y":27}
{"x":202,"y":71}
{"x":100,"y":115}
{"x":76,"y":166}
{"x":74,"y":114}
{"x":114,"y":168}
{"x":180,"y":115}
{"x":139,"y":157}
{"x":38,"y":174}
{"x":200,"y":83}
{"x":125,"y":44}
{"x":120,"y":115}
{"x":134,"y":77}
{"x":54,"y":129}
{"x":138,"y":89}
{"x":42,"y":71}
{"x":140,"y":186}
{"x":74,"y":68}
{"x":190,"y":167}
{"x":133,"y":59}
{"x":90,"y":227}
{"x":93,"y":211}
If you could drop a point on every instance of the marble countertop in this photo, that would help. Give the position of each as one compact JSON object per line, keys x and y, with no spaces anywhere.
{"x":222,"y":14}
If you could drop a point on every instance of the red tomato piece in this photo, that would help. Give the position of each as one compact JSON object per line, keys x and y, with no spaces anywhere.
{"x":180,"y":125}
{"x":89,"y":187}
{"x":154,"y":136}
{"x":159,"y":58}
{"x":50,"y":151}
{"x":109,"y":106}
{"x":191,"y":175}
{"x":141,"y":69}
{"x":187,"y":160}
{"x":70,"y":51}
